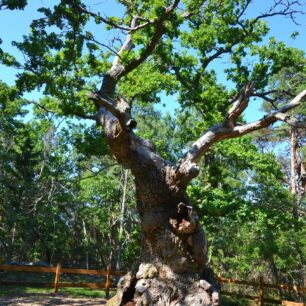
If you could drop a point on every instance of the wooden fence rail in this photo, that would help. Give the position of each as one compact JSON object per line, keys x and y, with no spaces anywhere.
{"x":261,"y":285}
{"x":107,"y":286}
{"x":58,"y":270}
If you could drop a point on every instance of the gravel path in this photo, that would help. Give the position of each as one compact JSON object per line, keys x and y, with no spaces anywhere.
{"x":43,"y":299}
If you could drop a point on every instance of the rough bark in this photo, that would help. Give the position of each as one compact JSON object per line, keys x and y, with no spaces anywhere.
{"x":174,"y":243}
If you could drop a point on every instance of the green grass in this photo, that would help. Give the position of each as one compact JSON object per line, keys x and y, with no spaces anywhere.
{"x":229,"y":301}
{"x":73,"y":292}
{"x":78,"y":292}
{"x":10,"y":291}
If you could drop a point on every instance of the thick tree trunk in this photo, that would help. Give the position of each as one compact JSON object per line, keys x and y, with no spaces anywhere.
{"x":173,"y":270}
{"x":174,"y":256}
{"x":174,"y":253}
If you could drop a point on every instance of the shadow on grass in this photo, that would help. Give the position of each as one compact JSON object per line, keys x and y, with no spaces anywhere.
{"x":41,"y":300}
{"x":9,"y":291}
{"x":29,"y":296}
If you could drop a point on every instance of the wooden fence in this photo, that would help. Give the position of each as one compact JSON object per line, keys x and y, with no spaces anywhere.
{"x":261,"y":286}
{"x":107,"y":286}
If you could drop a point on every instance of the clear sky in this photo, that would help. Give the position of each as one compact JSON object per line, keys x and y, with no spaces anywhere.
{"x":15,"y":24}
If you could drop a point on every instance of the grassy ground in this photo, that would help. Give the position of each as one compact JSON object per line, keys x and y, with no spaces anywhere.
{"x":7,"y":291}
{"x":228,"y":301}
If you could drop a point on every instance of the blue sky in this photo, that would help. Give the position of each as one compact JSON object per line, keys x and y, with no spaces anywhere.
{"x":15,"y":24}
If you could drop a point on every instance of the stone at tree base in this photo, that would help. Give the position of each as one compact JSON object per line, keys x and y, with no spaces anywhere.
{"x":201,"y":298}
{"x":205,"y":285}
{"x":146,"y":271}
{"x":142,"y":285}
{"x":215,"y":298}
{"x":158,"y":285}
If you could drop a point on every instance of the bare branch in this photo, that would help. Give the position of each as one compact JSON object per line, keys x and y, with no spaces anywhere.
{"x":282,"y":8}
{"x":43,"y":107}
{"x":247,"y":3}
{"x":108,"y":104}
{"x":120,"y":109}
{"x":290,"y":120}
{"x":96,"y":173}
{"x":159,"y":31}
{"x":223,"y":133}
{"x":280,"y":93}
{"x":147,"y":51}
{"x":239,"y":105}
{"x":100,"y":44}
{"x":187,"y":169}
{"x":274,"y":91}
{"x":115,"y":25}
{"x":112,"y":76}
{"x":132,"y":28}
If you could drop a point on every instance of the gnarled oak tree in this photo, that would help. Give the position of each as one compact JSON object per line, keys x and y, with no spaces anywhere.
{"x":159,"y":46}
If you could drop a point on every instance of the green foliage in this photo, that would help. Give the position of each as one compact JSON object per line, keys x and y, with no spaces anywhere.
{"x":64,"y":58}
{"x":58,"y":198}
{"x":145,"y":83}
{"x":248,"y":213}
{"x":13,"y":4}
{"x":159,"y":129}
{"x":61,"y":191}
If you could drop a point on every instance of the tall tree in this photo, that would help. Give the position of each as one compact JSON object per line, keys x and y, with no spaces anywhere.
{"x":161,"y":46}
{"x":291,"y":132}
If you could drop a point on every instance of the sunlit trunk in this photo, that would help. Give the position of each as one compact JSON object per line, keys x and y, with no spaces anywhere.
{"x":122,"y":212}
{"x":293,"y":151}
{"x":293,"y":170}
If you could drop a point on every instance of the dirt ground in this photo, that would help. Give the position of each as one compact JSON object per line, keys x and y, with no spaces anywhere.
{"x":44,"y":299}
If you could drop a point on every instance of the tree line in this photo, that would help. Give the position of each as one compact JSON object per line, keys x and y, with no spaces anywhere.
{"x":66,"y":199}
{"x":93,"y":174}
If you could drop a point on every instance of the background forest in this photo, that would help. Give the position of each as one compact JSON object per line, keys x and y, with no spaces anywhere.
{"x":64,"y":198}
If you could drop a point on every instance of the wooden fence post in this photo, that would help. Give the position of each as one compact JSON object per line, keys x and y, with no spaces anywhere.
{"x":57,"y":277}
{"x":261,"y":291}
{"x":107,"y":281}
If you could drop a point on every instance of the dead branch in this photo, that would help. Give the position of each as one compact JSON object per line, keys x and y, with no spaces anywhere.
{"x":239,"y":106}
{"x":115,"y":25}
{"x":187,"y":167}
